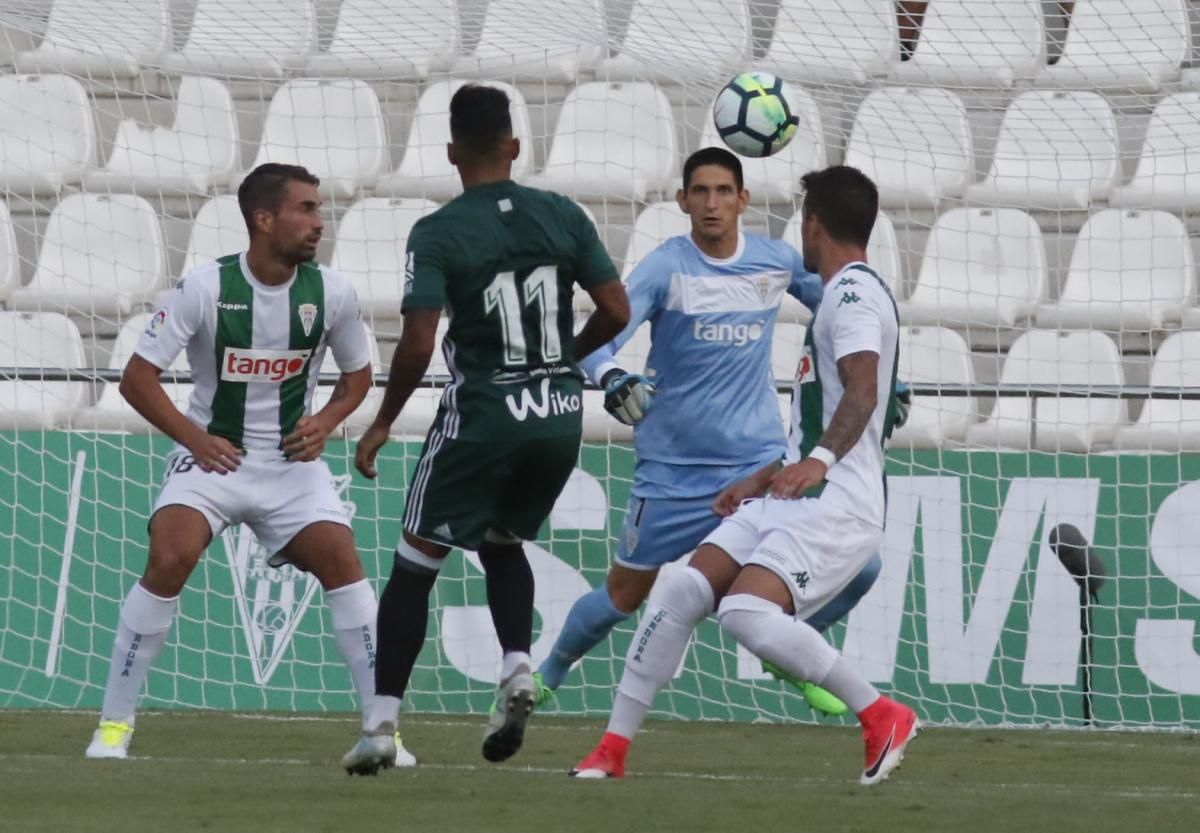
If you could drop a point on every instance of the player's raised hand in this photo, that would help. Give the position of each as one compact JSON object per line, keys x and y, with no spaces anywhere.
{"x":793,"y":481}
{"x":214,"y":454}
{"x":627,"y":396}
{"x":367,"y":448}
{"x":307,"y":440}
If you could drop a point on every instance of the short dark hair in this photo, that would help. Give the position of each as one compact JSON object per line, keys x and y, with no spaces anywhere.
{"x":264,"y":187}
{"x":713,"y":156}
{"x":845,"y":200}
{"x":479,"y":118}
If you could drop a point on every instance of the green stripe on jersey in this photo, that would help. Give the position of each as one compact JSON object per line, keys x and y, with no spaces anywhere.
{"x":812,"y":396}
{"x":306,"y":306}
{"x":235,"y":320}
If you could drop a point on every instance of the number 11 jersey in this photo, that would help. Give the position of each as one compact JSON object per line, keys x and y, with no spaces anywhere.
{"x":502,"y":260}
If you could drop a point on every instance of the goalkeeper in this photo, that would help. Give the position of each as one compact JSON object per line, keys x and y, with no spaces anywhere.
{"x":711,"y":298}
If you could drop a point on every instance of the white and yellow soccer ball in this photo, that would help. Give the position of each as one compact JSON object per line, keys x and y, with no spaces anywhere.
{"x":754,"y":114}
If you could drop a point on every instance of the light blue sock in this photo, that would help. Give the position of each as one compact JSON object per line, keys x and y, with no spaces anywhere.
{"x":591,"y":619}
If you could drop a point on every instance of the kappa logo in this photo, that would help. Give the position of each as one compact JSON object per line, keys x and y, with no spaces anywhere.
{"x":847,"y":281}
{"x":228,"y":307}
{"x":849,"y":298}
{"x":308,"y":316}
{"x":270,"y":602}
{"x":801,"y":579}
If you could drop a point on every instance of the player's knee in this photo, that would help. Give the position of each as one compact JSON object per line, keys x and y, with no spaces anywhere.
{"x":627,"y":588}
{"x":168,"y":569}
{"x":687,"y":592}
{"x":748,"y":619}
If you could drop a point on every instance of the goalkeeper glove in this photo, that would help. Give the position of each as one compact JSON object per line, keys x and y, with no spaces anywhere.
{"x":627,"y":396}
{"x":903,"y":404}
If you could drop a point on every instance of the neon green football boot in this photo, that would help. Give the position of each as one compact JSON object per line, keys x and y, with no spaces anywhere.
{"x":818,"y":699}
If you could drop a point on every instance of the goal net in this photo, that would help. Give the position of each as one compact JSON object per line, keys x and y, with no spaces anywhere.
{"x":1039,"y":172}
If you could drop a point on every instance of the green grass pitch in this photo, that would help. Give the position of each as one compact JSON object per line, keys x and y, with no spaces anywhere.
{"x":211,"y":771}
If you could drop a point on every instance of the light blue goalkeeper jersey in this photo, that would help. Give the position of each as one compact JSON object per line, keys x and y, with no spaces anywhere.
{"x":715,"y":416}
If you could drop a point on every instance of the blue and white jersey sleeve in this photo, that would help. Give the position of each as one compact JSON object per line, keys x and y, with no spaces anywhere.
{"x":806,"y":286}
{"x":646,"y":289}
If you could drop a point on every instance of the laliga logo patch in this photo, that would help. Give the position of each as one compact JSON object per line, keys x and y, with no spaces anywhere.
{"x":308,"y":317}
{"x":804,"y":372}
{"x":156,"y":323}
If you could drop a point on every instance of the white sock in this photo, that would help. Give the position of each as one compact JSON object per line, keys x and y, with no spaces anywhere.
{"x":512,"y":661}
{"x":685,"y":598}
{"x":353,"y":609}
{"x":142,"y":630}
{"x":384,"y":709}
{"x":794,"y":646}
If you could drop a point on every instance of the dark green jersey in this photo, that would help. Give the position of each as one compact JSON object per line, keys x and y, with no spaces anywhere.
{"x":502,"y":260}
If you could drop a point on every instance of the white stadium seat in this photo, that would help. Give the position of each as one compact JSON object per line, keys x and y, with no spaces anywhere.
{"x":422,"y":406}
{"x":386,"y":39}
{"x":1169,"y":424}
{"x":1056,"y":149}
{"x":197,"y":153}
{"x":254,"y":39}
{"x":333,"y":127}
{"x":665,"y":37}
{"x":1044,"y":357}
{"x":977,"y":43}
{"x":915,"y":143}
{"x":1168,"y":171}
{"x":775,"y":179}
{"x":45,"y":340}
{"x":655,"y":224}
{"x":934,"y":355}
{"x":111,"y":412}
{"x":369,"y":250}
{"x":100,"y":255}
{"x":47,"y":138}
{"x":612,"y":141}
{"x":424,"y":170}
{"x":523,"y":41}
{"x":10,"y":260}
{"x":787,"y":345}
{"x":1130,"y":270}
{"x":883,"y":252}
{"x":364,"y":414}
{"x":1126,"y":45}
{"x":981,"y":267}
{"x":101,"y":38}
{"x":218,"y":229}
{"x":833,"y":41}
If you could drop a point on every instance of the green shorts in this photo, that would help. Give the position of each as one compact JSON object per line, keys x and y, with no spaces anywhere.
{"x":463,"y":488}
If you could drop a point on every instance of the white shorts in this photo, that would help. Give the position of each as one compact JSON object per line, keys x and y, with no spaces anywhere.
{"x":274,"y":497}
{"x":813,"y":545}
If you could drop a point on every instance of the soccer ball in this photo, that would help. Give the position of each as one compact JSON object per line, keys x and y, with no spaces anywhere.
{"x":754,"y":114}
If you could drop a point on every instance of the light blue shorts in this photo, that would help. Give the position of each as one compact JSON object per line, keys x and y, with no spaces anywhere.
{"x":658,"y":531}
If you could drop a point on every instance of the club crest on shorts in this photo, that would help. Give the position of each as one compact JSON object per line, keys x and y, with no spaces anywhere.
{"x":270,"y":601}
{"x":308,"y":317}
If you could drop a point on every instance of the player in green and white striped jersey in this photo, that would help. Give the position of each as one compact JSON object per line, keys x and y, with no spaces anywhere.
{"x":255,"y":326}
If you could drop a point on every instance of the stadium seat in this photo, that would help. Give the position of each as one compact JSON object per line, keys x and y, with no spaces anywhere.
{"x":977,"y":43}
{"x":1168,"y":171}
{"x":1056,"y":149}
{"x":47,"y":138}
{"x":523,"y":41}
{"x":111,"y":412}
{"x":218,"y":229}
{"x":983,"y":267}
{"x":1130,"y":270}
{"x":883,"y":252}
{"x":1169,"y":424}
{"x":424,"y":170}
{"x":833,"y":41}
{"x":419,"y":412}
{"x":333,"y":127}
{"x":386,"y":39}
{"x":10,"y":259}
{"x":1045,"y":357}
{"x":612,"y":141}
{"x":371,"y":239}
{"x":665,"y":37}
{"x":915,"y":143}
{"x":787,"y":345}
{"x":100,"y":38}
{"x":100,"y":255}
{"x":46,"y":340}
{"x":364,"y":414}
{"x":257,"y":39}
{"x":197,"y":153}
{"x":775,"y":179}
{"x":1128,"y":45}
{"x":935,"y":355}
{"x":654,"y":225}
